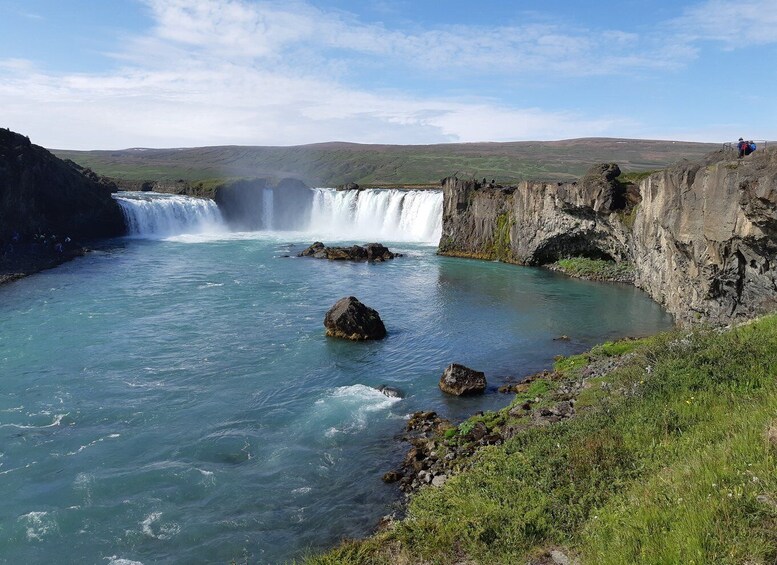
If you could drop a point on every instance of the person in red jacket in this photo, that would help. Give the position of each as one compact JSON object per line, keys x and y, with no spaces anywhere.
{"x":741,"y":147}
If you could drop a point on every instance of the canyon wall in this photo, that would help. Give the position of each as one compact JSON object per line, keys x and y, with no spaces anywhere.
{"x":702,"y":236}
{"x":39,"y":192}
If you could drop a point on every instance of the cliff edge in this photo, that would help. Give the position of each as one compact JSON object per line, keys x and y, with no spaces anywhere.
{"x":41,"y":193}
{"x":702,"y":237}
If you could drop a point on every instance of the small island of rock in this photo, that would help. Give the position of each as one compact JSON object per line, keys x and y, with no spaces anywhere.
{"x":373,"y":252}
{"x":350,"y":319}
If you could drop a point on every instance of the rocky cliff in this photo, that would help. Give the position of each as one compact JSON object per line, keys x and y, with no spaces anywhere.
{"x":702,"y":236}
{"x":245,"y":203}
{"x":41,"y":193}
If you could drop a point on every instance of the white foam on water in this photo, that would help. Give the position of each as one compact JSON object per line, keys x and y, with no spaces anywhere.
{"x":27,"y":466}
{"x":346,"y":409}
{"x":114,"y":560}
{"x":56,"y":422}
{"x":151,"y":528}
{"x":91,"y":443}
{"x":38,"y":524}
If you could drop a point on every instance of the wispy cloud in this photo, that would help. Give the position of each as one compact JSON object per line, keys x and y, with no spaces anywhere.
{"x":266,"y":30}
{"x":234,"y":71}
{"x":738,"y":25}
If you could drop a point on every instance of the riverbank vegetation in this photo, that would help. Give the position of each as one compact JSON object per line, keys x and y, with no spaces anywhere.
{"x":670,"y":457}
{"x":595,"y":269}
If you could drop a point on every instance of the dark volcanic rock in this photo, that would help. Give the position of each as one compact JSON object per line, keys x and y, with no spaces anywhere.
{"x":374,"y":252}
{"x":244,"y":203}
{"x":40,"y":193}
{"x":350,"y":319}
{"x":349,"y":186}
{"x":391,"y":391}
{"x":460,"y":380}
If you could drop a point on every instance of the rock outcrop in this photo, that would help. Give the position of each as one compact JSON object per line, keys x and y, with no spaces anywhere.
{"x":40,"y":193}
{"x":459,"y":380}
{"x":350,"y":319}
{"x":256,"y":204}
{"x":372,"y":252}
{"x":702,"y":236}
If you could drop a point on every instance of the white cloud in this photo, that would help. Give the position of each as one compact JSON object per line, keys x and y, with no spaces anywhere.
{"x":739,"y":25}
{"x":233,"y":71}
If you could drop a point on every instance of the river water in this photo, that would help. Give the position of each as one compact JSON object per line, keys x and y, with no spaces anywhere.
{"x":171,"y":397}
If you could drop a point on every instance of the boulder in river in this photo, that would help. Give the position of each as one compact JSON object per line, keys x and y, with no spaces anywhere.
{"x":350,"y":319}
{"x":374,"y":252}
{"x":460,"y":380}
{"x":391,"y":391}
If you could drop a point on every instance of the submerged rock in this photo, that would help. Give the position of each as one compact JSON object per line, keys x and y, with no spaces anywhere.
{"x":390,"y":391}
{"x":375,"y":252}
{"x":350,"y":319}
{"x":460,"y":380}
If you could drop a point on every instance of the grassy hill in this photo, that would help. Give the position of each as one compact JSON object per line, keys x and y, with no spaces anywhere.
{"x":330,"y":164}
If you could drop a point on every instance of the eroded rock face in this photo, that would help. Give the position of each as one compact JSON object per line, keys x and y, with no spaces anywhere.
{"x":350,"y":319}
{"x":534,"y":223}
{"x":260,"y":203}
{"x":703,"y":239}
{"x":42,"y":193}
{"x":460,"y":380}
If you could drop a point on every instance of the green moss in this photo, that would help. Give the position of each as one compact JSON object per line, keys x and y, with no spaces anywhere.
{"x":570,"y":365}
{"x":628,"y":218}
{"x":619,"y":347}
{"x":634,"y":177}
{"x":597,"y":269}
{"x":500,"y":247}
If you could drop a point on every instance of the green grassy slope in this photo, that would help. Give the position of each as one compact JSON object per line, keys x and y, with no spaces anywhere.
{"x":329,"y":164}
{"x":671,"y":458}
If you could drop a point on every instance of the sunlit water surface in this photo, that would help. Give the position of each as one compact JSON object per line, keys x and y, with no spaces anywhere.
{"x":176,"y":401}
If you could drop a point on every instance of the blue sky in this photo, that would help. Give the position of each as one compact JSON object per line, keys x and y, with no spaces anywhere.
{"x":83,"y":74}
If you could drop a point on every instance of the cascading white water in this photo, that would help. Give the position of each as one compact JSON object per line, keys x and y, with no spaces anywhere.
{"x":370,"y":214}
{"x":323,"y":213}
{"x":150,"y":214}
{"x":267,"y":209}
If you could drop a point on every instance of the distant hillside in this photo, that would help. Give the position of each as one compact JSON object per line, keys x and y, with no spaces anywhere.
{"x":330,"y":164}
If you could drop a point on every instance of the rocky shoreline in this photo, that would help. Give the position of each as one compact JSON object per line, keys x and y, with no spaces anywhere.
{"x":439,"y":449}
{"x":30,"y":258}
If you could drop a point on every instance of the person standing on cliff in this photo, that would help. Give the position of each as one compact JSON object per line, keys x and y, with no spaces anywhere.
{"x":741,"y":147}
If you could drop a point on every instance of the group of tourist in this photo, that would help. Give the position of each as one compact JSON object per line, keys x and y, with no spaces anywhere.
{"x":745,"y":147}
{"x":39,"y":239}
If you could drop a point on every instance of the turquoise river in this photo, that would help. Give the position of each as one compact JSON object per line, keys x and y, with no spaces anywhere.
{"x":171,"y":396}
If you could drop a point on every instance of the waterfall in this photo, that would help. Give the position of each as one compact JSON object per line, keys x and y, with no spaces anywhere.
{"x":150,"y":214}
{"x":267,"y":208}
{"x":377,"y":214}
{"x":319,"y":213}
